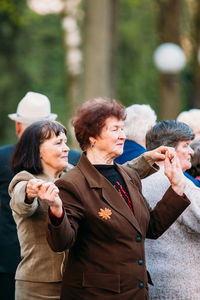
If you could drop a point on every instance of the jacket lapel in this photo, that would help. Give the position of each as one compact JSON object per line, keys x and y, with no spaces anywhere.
{"x":109,"y":193}
{"x":133,"y":192}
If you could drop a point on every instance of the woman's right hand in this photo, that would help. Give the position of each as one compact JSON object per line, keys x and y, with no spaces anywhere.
{"x":32,"y":189}
{"x":48,"y":192}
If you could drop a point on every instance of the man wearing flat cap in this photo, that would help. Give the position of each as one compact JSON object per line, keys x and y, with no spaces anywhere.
{"x":33,"y":107}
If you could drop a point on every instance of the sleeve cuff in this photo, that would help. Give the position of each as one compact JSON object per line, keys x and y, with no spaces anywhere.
{"x":55,"y":220}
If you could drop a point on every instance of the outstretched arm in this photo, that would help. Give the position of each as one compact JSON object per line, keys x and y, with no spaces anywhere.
{"x":145,"y":164}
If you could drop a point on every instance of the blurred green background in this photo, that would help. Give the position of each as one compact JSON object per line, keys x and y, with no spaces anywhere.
{"x":33,"y":51}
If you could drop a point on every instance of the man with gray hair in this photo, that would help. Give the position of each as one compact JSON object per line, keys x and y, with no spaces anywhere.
{"x":33,"y":107}
{"x":139,"y":119}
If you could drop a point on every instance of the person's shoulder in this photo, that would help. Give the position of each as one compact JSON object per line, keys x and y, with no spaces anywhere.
{"x":6,"y":150}
{"x":73,"y":184}
{"x":192,"y":179}
{"x":73,"y":178}
{"x":21,"y":176}
{"x":73,"y":157}
{"x":129,"y":171}
{"x":75,"y":152}
{"x":71,"y":174}
{"x":5,"y":156}
{"x":7,"y":147}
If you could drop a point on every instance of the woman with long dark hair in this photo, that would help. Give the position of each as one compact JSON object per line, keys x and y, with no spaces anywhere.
{"x":40,"y":156}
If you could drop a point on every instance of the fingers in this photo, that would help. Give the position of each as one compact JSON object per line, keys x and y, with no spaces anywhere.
{"x":171,"y":153}
{"x":40,"y":188}
{"x":46,"y":191}
{"x":159,"y":153}
{"x":49,"y":187}
{"x":32,"y":187}
{"x":49,"y":193}
{"x":154,"y":155}
{"x":165,"y":152}
{"x":34,"y":184}
{"x":171,"y":165}
{"x":165,"y":149}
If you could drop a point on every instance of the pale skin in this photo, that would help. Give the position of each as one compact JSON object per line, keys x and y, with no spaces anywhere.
{"x":104,"y":148}
{"x":183,"y":153}
{"x":54,"y":159}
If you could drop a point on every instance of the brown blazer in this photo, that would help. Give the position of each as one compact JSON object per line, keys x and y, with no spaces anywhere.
{"x":106,"y":240}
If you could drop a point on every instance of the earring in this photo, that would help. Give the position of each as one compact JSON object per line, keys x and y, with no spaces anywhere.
{"x":93,"y":144}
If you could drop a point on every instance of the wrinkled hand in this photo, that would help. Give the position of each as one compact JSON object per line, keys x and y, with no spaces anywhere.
{"x":174,"y":173}
{"x":48,"y":192}
{"x":32,"y":188}
{"x":158,"y":154}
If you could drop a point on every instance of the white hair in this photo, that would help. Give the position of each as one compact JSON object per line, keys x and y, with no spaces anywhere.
{"x":139,"y":119}
{"x":190,"y":117}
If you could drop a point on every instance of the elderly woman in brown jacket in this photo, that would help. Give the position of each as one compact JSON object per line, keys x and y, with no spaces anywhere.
{"x":103,"y":219}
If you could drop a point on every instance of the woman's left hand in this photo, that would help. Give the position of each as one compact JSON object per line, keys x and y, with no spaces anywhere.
{"x":174,"y":173}
{"x":158,"y":154}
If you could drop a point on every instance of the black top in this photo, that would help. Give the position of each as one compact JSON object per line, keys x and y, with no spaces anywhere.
{"x":111,"y":174}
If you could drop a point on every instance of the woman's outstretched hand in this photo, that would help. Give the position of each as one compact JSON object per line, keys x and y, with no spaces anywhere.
{"x":32,"y":189}
{"x":46,"y":191}
{"x":158,"y":154}
{"x":174,"y":172}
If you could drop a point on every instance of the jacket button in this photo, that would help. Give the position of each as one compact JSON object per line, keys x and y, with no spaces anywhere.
{"x":138,"y":239}
{"x":140,"y":262}
{"x":141,"y":285}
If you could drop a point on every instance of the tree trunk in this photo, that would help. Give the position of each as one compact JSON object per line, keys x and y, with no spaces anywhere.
{"x":169,"y":32}
{"x":195,"y":93}
{"x":72,"y":41}
{"x":169,"y":96}
{"x":99,"y":52}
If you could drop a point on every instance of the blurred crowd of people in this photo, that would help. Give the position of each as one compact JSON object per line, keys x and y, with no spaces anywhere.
{"x":82,"y":224}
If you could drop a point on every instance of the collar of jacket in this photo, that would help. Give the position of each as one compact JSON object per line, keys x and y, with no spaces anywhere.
{"x":110,"y":194}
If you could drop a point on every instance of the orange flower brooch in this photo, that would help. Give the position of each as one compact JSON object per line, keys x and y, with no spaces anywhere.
{"x":105,"y":213}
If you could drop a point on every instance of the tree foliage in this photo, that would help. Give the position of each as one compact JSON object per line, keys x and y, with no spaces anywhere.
{"x":137,"y":76}
{"x":32,"y":57}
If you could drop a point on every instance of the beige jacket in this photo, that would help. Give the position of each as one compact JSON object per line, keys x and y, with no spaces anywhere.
{"x":39,"y":263}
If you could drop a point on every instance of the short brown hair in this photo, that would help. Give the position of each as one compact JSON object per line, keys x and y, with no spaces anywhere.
{"x":91,"y":116}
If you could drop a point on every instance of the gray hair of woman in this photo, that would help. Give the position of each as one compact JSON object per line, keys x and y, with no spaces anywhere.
{"x":168,"y":133}
{"x":139,"y":119}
